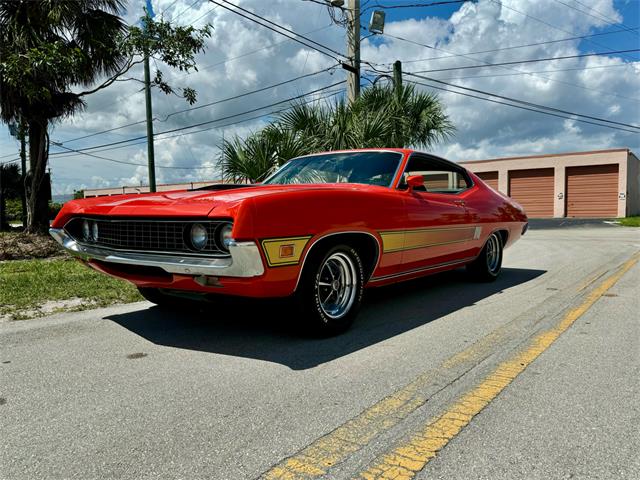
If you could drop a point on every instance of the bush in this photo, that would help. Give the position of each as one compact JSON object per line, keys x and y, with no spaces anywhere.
{"x":54,"y":209}
{"x":14,"y":209}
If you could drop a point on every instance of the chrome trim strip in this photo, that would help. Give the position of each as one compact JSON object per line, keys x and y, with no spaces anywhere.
{"x":313,"y":244}
{"x":422,"y":269}
{"x":244,"y":259}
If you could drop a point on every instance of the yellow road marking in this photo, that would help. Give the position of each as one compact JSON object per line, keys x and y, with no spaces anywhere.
{"x":336,"y":446}
{"x":407,"y":459}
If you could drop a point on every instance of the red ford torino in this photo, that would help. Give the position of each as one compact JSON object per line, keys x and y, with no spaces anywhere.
{"x":320,"y":229}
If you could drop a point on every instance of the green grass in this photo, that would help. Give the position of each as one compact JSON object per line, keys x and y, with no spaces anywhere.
{"x":26,"y":286}
{"x":630,"y":221}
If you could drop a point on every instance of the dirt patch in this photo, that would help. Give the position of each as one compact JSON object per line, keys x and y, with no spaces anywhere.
{"x":48,"y":308}
{"x":24,"y":246}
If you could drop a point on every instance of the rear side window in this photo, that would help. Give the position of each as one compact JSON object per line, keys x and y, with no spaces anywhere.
{"x":439,"y":176}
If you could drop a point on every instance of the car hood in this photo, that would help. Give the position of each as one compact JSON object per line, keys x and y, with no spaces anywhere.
{"x":186,"y":203}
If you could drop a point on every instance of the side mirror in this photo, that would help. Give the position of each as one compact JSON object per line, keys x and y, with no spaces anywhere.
{"x":414,"y":181}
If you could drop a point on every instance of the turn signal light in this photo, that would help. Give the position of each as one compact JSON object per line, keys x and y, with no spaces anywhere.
{"x":286,"y":251}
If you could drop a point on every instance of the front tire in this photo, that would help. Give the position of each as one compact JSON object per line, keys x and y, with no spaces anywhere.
{"x":330,"y":291}
{"x":488,"y":265}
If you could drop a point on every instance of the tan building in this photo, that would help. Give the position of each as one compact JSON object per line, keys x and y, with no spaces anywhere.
{"x":595,"y":184}
{"x":106,"y":192}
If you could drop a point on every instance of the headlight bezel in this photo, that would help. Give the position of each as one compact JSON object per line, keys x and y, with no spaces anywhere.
{"x":203,"y":234}
{"x":224,"y":237}
{"x":86,"y":230}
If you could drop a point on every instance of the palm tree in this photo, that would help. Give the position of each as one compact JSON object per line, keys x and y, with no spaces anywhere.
{"x":46,"y":47}
{"x":383,"y":116}
{"x":253,"y":159}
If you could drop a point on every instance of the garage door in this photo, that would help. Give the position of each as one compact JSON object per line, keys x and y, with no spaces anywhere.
{"x":490,"y":178}
{"x":592,"y":191}
{"x":533,"y":189}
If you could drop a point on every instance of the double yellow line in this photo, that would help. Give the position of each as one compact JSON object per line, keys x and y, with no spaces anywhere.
{"x":406,"y":459}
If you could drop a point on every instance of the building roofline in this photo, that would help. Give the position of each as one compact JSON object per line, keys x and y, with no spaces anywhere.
{"x":546,"y":155}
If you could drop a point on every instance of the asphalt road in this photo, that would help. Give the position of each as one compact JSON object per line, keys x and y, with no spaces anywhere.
{"x":544,"y":363}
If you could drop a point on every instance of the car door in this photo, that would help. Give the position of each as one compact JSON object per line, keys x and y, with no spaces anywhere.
{"x":438,"y":228}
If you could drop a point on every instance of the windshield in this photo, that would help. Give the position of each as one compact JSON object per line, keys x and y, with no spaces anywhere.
{"x":369,"y":168}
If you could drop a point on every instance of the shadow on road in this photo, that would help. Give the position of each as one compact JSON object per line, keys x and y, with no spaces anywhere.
{"x":248,"y":328}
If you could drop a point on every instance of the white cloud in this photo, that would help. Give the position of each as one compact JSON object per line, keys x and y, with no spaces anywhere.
{"x":601,"y":86}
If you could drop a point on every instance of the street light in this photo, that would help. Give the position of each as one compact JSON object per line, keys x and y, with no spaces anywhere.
{"x":376,"y":24}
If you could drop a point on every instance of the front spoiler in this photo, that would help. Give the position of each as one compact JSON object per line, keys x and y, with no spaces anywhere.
{"x":245,"y":260}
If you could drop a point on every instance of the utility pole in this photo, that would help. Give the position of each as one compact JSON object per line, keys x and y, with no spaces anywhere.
{"x":23,"y":172}
{"x":397,"y":75}
{"x":353,"y":50}
{"x":151,"y":160}
{"x":150,"y":152}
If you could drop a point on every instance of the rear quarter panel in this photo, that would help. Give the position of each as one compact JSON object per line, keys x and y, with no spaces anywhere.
{"x":494,"y":211}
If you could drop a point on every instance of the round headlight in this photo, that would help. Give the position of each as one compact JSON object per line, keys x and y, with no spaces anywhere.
{"x":86,"y":231}
{"x":94,"y":231}
{"x":199,"y":236}
{"x":225,"y":236}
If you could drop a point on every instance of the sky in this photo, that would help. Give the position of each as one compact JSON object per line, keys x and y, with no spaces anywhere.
{"x":242,"y":56}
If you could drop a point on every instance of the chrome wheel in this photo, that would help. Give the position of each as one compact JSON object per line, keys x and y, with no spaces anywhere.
{"x":337,"y":285}
{"x":493,"y":253}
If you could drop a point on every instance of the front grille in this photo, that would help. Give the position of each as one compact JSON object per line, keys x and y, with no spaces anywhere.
{"x":161,"y":236}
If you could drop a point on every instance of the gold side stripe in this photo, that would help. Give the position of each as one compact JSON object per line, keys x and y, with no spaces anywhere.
{"x":396,"y":241}
{"x":272,"y":248}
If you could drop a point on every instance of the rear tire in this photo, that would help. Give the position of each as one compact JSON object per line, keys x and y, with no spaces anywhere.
{"x":487,"y":267}
{"x":330,"y":291}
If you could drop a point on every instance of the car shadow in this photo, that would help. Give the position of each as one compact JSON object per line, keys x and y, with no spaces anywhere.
{"x":265,"y":330}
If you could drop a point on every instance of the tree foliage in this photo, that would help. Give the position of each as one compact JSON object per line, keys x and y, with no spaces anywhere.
{"x":54,"y":53}
{"x":383,"y":116}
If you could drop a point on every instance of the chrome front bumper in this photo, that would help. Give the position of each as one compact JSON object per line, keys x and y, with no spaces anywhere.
{"x":245,"y":260}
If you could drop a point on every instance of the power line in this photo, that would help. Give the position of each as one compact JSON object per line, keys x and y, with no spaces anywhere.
{"x":251,"y":52}
{"x":534,"y":105}
{"x":519,"y":106}
{"x":498,"y":2}
{"x":211,"y":121}
{"x":203,"y":15}
{"x":413,"y":5}
{"x":580,"y":37}
{"x":186,"y":9}
{"x":61,"y":155}
{"x":502,"y":65}
{"x":237,"y":12}
{"x":169,"y":6}
{"x":532,"y":60}
{"x":235,"y":97}
{"x":8,"y":162}
{"x":104,"y":131}
{"x":618,"y":65}
{"x":601,"y":17}
{"x":79,"y":152}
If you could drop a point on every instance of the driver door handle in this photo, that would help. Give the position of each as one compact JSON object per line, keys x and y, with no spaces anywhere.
{"x":459,"y":202}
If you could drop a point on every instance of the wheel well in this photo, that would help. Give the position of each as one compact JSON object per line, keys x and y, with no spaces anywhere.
{"x":504,"y":236}
{"x":364,"y":243}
